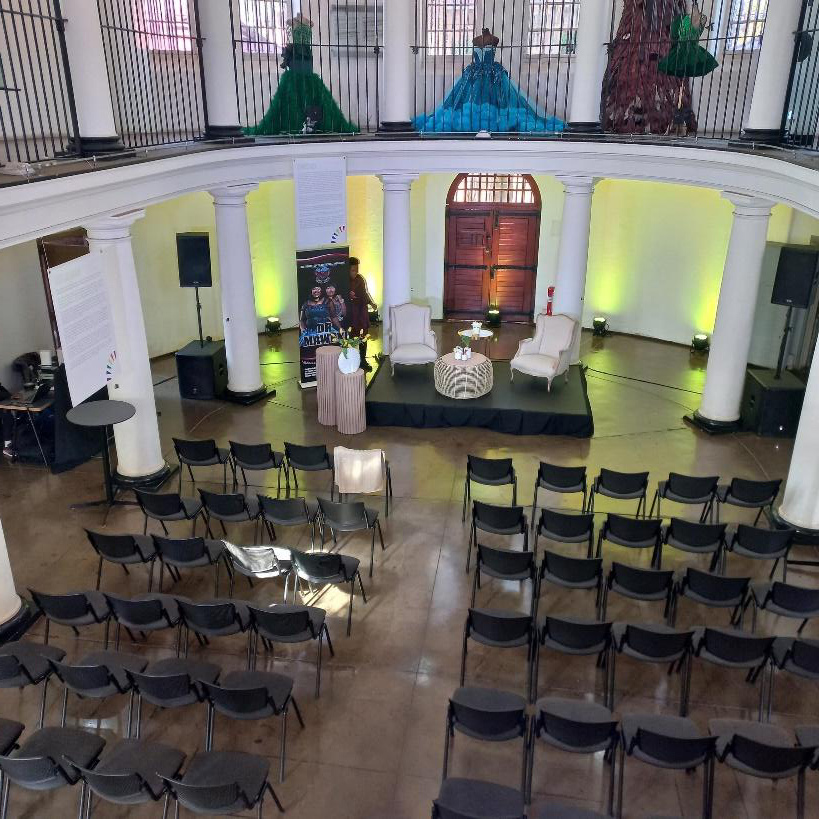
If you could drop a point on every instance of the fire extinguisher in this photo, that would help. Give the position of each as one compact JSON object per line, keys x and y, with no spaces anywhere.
{"x":550,"y":295}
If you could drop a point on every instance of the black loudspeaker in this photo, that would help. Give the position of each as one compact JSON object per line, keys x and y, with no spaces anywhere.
{"x":795,"y":275}
{"x":193,"y":255}
{"x":771,"y":406}
{"x":202,"y":371}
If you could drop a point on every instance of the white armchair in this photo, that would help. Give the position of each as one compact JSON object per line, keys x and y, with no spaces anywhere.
{"x":548,"y":354}
{"x":411,"y":340}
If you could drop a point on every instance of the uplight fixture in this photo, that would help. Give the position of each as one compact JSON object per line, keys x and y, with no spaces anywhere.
{"x":273,"y":325}
{"x":700,"y":343}
{"x":600,"y":327}
{"x":493,"y":316}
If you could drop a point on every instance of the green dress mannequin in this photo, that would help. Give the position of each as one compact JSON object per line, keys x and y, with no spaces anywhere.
{"x":302,"y":103}
{"x":687,"y":58}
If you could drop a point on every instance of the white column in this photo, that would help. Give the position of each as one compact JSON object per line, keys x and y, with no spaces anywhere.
{"x":89,"y":78}
{"x":771,"y":84}
{"x":10,"y":602}
{"x":238,"y":299}
{"x":800,"y":503}
{"x":588,"y":65}
{"x":399,"y":25}
{"x":573,"y":253}
{"x":731,"y":339}
{"x":397,"y":226}
{"x":139,"y":454}
{"x":219,"y":70}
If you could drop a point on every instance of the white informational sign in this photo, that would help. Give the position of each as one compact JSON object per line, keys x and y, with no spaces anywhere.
{"x":84,"y":320}
{"x":321,"y":202}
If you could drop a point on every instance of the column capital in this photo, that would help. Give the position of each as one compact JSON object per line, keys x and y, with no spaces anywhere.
{"x":114,"y":228}
{"x":578,"y":184}
{"x":747,"y":205}
{"x":397,"y":181}
{"x":233,"y":194}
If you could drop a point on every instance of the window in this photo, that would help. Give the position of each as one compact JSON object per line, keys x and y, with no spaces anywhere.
{"x":263,"y":25}
{"x":553,"y":29}
{"x":166,"y":24}
{"x":746,"y":24}
{"x":508,"y":189}
{"x":358,"y":25}
{"x":450,"y":26}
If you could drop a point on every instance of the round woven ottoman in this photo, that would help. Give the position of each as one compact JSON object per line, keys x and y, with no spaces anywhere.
{"x":463,"y":379}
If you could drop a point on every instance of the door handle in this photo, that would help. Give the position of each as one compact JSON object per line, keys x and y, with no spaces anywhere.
{"x":492,"y":272}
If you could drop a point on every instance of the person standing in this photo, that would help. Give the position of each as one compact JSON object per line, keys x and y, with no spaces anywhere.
{"x":358,"y":316}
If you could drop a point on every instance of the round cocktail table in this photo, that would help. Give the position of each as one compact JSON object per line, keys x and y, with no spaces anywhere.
{"x":471,"y":337}
{"x":463,"y":379}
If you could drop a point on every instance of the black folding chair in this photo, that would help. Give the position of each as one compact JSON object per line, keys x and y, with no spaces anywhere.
{"x":497,"y":520}
{"x":647,"y":585}
{"x":799,"y":657}
{"x":201,"y":453}
{"x":500,"y":629}
{"x":734,"y":649}
{"x":23,"y":664}
{"x":566,"y":480}
{"x":131,"y":774}
{"x":214,"y":618}
{"x":762,"y":544}
{"x":350,"y":516}
{"x":223,"y":782}
{"x":250,"y":695}
{"x":145,"y":613}
{"x":258,"y":563}
{"x":695,"y":539}
{"x":258,"y":458}
{"x":46,"y":761}
{"x":505,"y":564}
{"x":572,"y":573}
{"x":167,"y":507}
{"x":234,"y":508}
{"x":566,"y":528}
{"x":126,"y":550}
{"x":714,"y":590}
{"x":73,"y":609}
{"x":763,"y":751}
{"x":652,"y":643}
{"x":309,"y":459}
{"x":633,"y":533}
{"x":748,"y":494}
{"x":290,"y":624}
{"x":333,"y":569}
{"x":786,"y":600}
{"x":488,"y":715}
{"x":458,"y":799}
{"x":687,"y":489}
{"x":620,"y":486}
{"x":288,"y":512}
{"x":489,"y":472}
{"x":190,"y":553}
{"x":577,"y":726}
{"x":673,"y":743}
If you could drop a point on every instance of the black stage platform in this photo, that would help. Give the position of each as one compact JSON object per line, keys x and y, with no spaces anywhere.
{"x":519,"y":407}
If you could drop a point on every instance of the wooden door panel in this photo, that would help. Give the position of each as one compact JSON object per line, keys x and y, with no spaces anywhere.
{"x":515,"y":263}
{"x":466,"y":279}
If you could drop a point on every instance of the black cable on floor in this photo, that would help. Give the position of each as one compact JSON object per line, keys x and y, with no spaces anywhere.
{"x":642,"y":381}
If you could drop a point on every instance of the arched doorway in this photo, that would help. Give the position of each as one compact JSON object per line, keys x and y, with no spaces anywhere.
{"x":492,"y":233}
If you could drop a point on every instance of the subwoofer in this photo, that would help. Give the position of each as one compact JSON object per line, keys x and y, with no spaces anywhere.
{"x":202,"y":371}
{"x":771,"y":406}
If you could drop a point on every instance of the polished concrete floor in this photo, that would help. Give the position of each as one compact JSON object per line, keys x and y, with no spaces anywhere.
{"x":373,"y":743}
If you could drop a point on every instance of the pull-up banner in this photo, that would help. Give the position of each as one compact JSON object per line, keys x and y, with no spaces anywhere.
{"x":323,"y":287}
{"x":321,"y":202}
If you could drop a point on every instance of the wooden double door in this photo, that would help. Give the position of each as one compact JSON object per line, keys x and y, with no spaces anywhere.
{"x":491,"y":259}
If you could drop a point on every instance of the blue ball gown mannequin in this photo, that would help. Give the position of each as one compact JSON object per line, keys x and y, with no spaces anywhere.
{"x":486,"y":99}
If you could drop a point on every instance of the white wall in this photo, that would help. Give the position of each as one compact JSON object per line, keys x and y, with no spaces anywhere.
{"x":24,"y":322}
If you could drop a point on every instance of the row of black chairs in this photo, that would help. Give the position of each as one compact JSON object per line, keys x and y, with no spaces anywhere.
{"x":280,"y":623}
{"x":686,"y":489}
{"x":709,"y":539}
{"x":337,"y":516}
{"x":132,"y":772}
{"x":672,"y":742}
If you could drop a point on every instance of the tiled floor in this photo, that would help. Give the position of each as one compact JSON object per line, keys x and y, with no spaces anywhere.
{"x":373,"y":742}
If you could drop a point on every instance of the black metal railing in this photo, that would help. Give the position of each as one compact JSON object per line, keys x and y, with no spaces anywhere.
{"x":37,"y":116}
{"x":670,"y":73}
{"x":153,"y":55}
{"x":308,"y":72}
{"x":800,"y":122}
{"x":520,"y":84}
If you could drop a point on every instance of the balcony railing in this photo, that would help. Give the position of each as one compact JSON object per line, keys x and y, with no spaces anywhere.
{"x":801,"y":118}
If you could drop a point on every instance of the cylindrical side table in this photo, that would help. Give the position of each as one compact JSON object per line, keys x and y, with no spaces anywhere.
{"x":351,"y":416}
{"x":326,"y":369}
